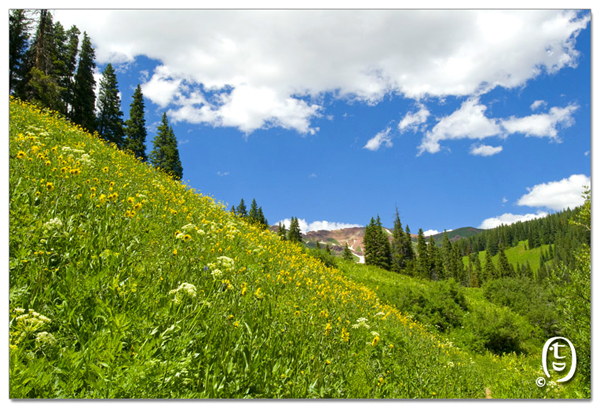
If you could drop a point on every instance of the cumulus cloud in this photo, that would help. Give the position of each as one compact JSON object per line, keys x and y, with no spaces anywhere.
{"x":264,"y":68}
{"x":222,"y":174}
{"x":381,"y":138}
{"x":318,"y":225}
{"x":413,"y":120}
{"x":542,"y":125}
{"x":537,"y":104}
{"x":557,"y":195}
{"x":485,"y":150}
{"x":430,"y":232}
{"x":509,"y":218}
{"x":470,"y":122}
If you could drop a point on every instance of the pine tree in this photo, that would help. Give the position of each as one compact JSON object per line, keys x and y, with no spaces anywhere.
{"x":232,"y":210}
{"x":110,"y":118}
{"x":318,"y":246}
{"x":436,"y":265}
{"x":409,"y":253}
{"x":19,"y":24}
{"x":398,"y":246}
{"x":328,"y":249}
{"x":241,"y":209}
{"x":136,"y":126}
{"x":504,"y":267}
{"x":347,"y":254}
{"x":369,"y":243}
{"x":253,"y":214}
{"x":84,"y":97}
{"x":423,"y":259}
{"x":449,"y":270}
{"x":476,"y":270}
{"x":42,"y":87}
{"x":282,"y":232}
{"x":165,"y":154}
{"x":174,"y":160}
{"x":490,"y":269}
{"x":261,"y":218}
{"x":294,"y":234}
{"x":384,"y":251}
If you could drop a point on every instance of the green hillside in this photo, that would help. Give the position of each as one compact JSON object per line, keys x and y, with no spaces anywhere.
{"x":517,"y":255}
{"x":127,"y":284}
{"x":455,"y":235}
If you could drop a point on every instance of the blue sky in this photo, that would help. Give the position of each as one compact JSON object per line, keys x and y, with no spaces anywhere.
{"x":458,"y":118}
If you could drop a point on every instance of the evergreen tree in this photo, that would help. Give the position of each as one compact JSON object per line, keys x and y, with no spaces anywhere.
{"x":449,"y":270}
{"x":369,"y":243}
{"x":232,"y":210}
{"x":175,"y":162}
{"x":19,"y":24}
{"x":253,"y":214}
{"x":136,"y":126}
{"x":282,"y":232}
{"x":165,"y":154}
{"x":347,"y":254}
{"x":489,"y":269}
{"x":328,"y":249}
{"x":504,"y":267}
{"x":318,"y":246}
{"x":423,"y":259}
{"x":294,"y":234}
{"x":398,"y":246}
{"x":261,"y":218}
{"x":436,"y":264}
{"x":458,"y":266}
{"x":476,"y":277}
{"x":42,"y":87}
{"x":241,"y":209}
{"x":110,"y":118}
{"x":84,"y":97}
{"x":409,"y":253}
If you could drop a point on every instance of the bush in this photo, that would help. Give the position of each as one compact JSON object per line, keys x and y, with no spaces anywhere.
{"x":527,"y":298}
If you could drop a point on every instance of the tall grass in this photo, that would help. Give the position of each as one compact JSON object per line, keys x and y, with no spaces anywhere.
{"x":127,"y":284}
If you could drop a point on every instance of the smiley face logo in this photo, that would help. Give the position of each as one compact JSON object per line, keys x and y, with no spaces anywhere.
{"x":555,"y":345}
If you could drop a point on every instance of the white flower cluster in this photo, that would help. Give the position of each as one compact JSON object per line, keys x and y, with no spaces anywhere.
{"x":216,"y":273}
{"x":45,"y":338}
{"x":188,"y":228}
{"x":54,"y":223}
{"x":374,"y":334}
{"x":86,"y":159}
{"x":184,"y":290}
{"x":361,"y":322}
{"x":225,"y":262}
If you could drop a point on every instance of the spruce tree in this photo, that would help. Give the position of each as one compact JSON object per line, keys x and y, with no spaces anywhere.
{"x":449,"y":270}
{"x":409,"y":253}
{"x":436,"y":265}
{"x":241,"y":209}
{"x":110,"y":118}
{"x":504,"y":267}
{"x":19,"y":24}
{"x":282,"y":232}
{"x":84,"y":97}
{"x":165,"y":154}
{"x":318,"y":246}
{"x":136,"y":126}
{"x":423,"y":256}
{"x":294,"y":234}
{"x":232,"y":210}
{"x":328,"y":249}
{"x":369,"y":243}
{"x":253,"y":214}
{"x":489,"y":269}
{"x":261,"y":218}
{"x":398,"y":246}
{"x":384,"y":252}
{"x":347,"y":254}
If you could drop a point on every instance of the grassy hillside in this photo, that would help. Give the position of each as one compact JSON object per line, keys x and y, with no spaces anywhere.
{"x":518,"y":254}
{"x":127,"y":284}
{"x":455,"y":235}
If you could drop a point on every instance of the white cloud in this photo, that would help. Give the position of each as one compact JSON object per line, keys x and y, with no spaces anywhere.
{"x":412,"y":120}
{"x":557,"y":195}
{"x":468,"y":122}
{"x":182,"y":142}
{"x":509,"y":218}
{"x":222,"y":174}
{"x":381,"y":138}
{"x":504,"y":200}
{"x":485,"y":150}
{"x":586,"y":153}
{"x":266,"y":68}
{"x":541,"y":125}
{"x":537,"y":104}
{"x":312,"y":175}
{"x":318,"y":225}
{"x":430,"y":232}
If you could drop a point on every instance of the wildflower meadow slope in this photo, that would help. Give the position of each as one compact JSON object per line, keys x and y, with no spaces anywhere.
{"x":127,"y":284}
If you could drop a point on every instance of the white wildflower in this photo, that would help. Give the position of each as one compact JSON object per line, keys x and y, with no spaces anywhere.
{"x":216,"y":273}
{"x":45,"y":338}
{"x":184,"y":290}
{"x":225,"y":262}
{"x":53,"y":224}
